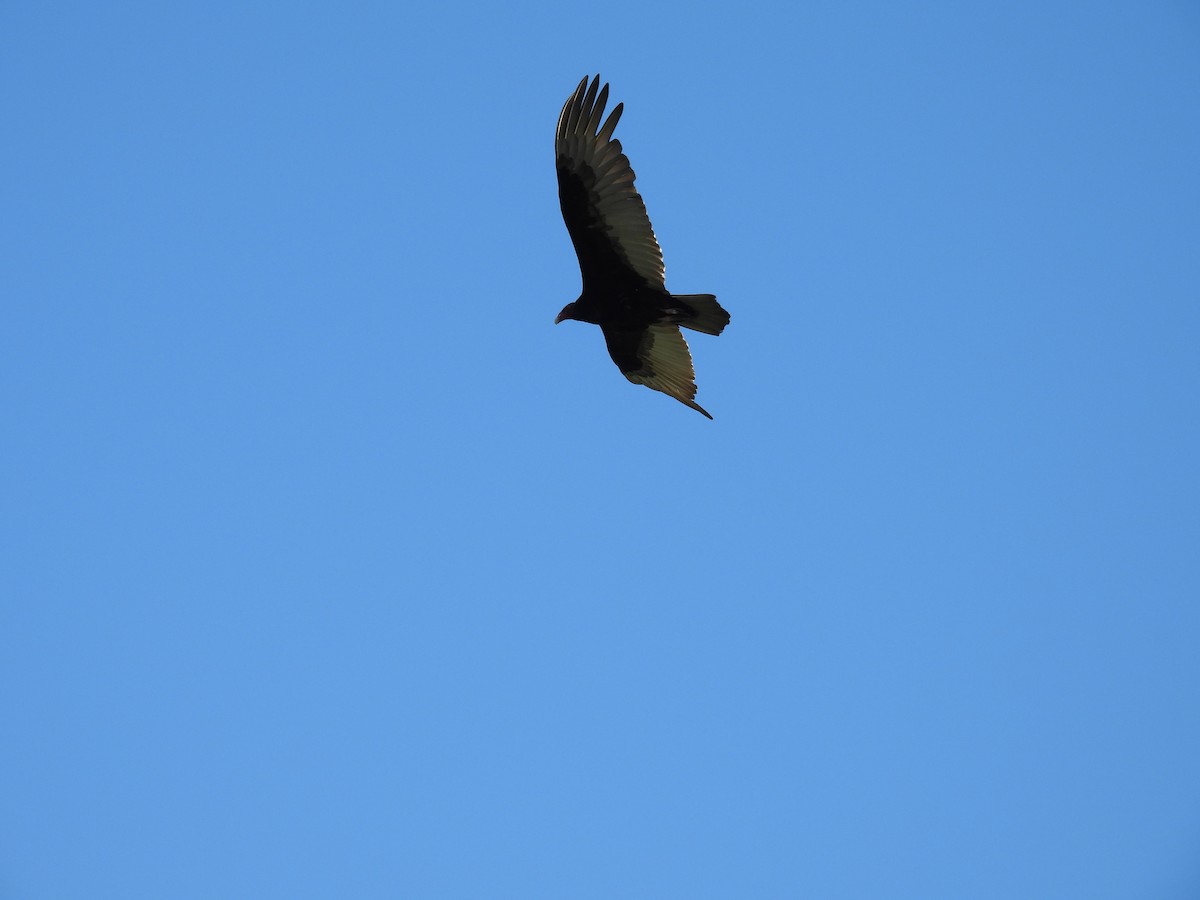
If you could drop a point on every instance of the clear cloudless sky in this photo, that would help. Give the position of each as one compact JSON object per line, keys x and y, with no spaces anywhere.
{"x":332,"y":568}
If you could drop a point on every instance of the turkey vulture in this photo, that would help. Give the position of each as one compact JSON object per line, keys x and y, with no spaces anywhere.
{"x":619,"y":258}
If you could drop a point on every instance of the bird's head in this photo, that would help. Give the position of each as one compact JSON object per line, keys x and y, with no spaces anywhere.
{"x":568,"y":312}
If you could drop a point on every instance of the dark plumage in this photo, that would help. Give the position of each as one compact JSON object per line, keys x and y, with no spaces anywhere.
{"x":619,"y":258}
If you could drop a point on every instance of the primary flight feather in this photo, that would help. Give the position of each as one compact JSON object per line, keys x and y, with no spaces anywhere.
{"x":619,"y":257}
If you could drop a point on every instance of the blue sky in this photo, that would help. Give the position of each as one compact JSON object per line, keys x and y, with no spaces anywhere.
{"x":333,"y":568}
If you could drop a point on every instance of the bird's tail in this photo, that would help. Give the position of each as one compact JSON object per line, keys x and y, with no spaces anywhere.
{"x":707,"y":314}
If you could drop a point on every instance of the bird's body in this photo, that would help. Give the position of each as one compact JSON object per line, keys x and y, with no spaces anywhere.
{"x":619,"y":257}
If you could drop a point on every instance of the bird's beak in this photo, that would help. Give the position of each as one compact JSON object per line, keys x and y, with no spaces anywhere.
{"x":558,"y":318}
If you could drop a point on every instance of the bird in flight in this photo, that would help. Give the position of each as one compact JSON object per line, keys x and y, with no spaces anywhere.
{"x":619,"y":257}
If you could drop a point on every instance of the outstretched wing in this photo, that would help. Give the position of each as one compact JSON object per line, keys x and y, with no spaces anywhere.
{"x":604,"y":214}
{"x":658,"y":357}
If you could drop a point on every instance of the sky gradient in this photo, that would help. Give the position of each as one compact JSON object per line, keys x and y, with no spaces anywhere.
{"x":332,"y":568}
